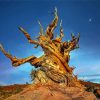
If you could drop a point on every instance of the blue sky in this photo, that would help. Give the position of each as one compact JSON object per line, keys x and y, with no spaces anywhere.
{"x":78,"y":16}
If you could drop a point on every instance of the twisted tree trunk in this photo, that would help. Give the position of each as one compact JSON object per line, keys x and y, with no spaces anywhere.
{"x":54,"y":63}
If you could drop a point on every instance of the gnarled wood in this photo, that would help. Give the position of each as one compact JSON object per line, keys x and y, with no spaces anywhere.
{"x":52,"y":26}
{"x":56,"y":54}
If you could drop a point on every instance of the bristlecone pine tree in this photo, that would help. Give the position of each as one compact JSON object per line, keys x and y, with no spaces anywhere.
{"x":53,"y":65}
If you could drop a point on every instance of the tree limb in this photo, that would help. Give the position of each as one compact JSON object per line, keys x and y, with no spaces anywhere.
{"x":16,"y":61}
{"x":41,"y":28}
{"x":28,"y":36}
{"x":52,"y":26}
{"x":61,"y":30}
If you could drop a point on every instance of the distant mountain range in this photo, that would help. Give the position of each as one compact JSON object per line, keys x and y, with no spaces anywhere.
{"x":91,"y":78}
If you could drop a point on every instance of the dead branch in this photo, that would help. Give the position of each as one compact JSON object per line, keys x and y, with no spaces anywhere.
{"x":28,"y":36}
{"x":52,"y":26}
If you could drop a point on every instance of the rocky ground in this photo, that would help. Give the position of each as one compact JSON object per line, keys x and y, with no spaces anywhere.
{"x":52,"y":92}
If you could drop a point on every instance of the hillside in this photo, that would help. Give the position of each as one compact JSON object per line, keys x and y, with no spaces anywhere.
{"x":45,"y":92}
{"x":6,"y":91}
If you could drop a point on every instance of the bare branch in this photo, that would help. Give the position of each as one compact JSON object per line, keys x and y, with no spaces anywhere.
{"x":78,"y":37}
{"x":21,"y":61}
{"x":61,"y":30}
{"x":52,"y":26}
{"x":73,"y":44}
{"x":16,"y":61}
{"x":41,"y":28}
{"x":28,"y":36}
{"x":1,"y":47}
{"x":72,"y":35}
{"x":5,"y":53}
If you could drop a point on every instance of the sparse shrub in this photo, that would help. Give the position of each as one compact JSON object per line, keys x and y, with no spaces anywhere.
{"x":90,"y":88}
{"x":96,"y":93}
